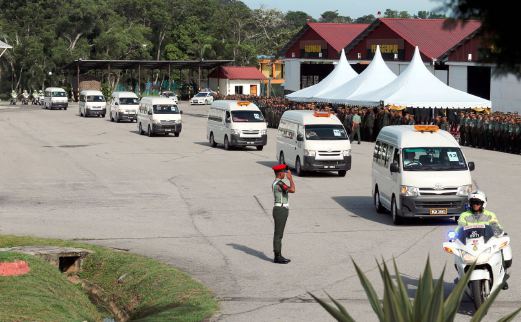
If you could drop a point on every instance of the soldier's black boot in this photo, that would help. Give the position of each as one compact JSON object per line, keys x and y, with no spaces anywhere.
{"x":279,"y":259}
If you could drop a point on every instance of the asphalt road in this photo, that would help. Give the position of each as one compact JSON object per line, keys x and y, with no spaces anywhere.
{"x":208,"y":212}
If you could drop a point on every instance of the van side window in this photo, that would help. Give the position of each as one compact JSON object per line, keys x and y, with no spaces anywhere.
{"x":287,"y":129}
{"x":396,"y":156}
{"x":215,"y":115}
{"x":388,"y":154}
{"x":376,"y":151}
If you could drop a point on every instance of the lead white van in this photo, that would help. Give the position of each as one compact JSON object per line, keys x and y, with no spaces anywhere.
{"x":419,"y":171}
{"x":92,"y":102}
{"x":123,"y":106}
{"x":158,"y":115}
{"x":236,"y":123}
{"x":55,"y":97}
{"x":313,"y":141}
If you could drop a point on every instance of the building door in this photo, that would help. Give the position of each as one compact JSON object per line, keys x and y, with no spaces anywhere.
{"x":478,"y":81}
{"x":253,"y":90}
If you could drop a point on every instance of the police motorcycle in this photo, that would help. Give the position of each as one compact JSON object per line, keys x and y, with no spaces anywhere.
{"x":25,"y":97}
{"x":482,"y":245}
{"x":14,"y":96}
{"x":40,"y":98}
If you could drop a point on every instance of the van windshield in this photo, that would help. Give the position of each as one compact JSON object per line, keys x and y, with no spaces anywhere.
{"x":247,"y":116}
{"x":433,"y":159}
{"x":166,"y":109}
{"x":128,"y":101}
{"x":58,"y":94}
{"x":95,"y":98}
{"x":325,"y":132}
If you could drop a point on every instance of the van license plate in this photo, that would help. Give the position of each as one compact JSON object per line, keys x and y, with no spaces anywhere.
{"x":438,"y":211}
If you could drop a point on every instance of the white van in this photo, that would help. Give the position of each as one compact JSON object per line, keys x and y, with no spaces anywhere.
{"x":236,"y":123}
{"x":55,"y":97}
{"x":419,"y":171}
{"x":158,"y":115}
{"x":92,"y":103}
{"x":313,"y":141}
{"x":123,"y":106}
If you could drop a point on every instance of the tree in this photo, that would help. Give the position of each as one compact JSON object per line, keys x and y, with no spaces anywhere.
{"x":404,"y":14}
{"x":333,"y":16}
{"x":390,"y":13}
{"x":499,"y":22}
{"x":296,"y":19}
{"x":365,"y":19}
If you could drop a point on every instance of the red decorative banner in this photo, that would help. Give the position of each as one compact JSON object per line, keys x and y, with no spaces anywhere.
{"x":15,"y":268}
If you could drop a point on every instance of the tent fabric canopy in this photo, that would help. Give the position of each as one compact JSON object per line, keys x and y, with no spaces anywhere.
{"x":342,"y":73}
{"x":418,"y":87}
{"x":3,"y":45}
{"x":375,"y":76}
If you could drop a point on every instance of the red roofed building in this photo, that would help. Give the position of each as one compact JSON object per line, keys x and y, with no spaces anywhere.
{"x":310,"y":54}
{"x":231,"y":80}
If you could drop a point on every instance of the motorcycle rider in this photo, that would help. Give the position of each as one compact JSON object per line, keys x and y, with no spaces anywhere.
{"x":478,"y":215}
{"x":13,"y":97}
{"x":25,"y":97}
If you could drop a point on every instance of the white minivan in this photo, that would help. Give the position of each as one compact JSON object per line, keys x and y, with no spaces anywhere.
{"x":123,"y":106}
{"x":55,"y":97}
{"x":92,"y":102}
{"x":419,"y":171}
{"x":158,"y":115}
{"x":313,"y":141}
{"x":236,"y":123}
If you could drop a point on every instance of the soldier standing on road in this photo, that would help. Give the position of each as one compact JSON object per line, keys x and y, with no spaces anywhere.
{"x":281,"y":208}
{"x":356,"y":121}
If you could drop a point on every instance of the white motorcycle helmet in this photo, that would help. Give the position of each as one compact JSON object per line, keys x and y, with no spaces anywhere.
{"x":478,"y":195}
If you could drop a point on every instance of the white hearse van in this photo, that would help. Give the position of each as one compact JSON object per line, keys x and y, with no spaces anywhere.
{"x":313,"y":141}
{"x":123,"y":106}
{"x":419,"y":171}
{"x":236,"y":123}
{"x":92,"y":103}
{"x":158,"y":115}
{"x":55,"y":97}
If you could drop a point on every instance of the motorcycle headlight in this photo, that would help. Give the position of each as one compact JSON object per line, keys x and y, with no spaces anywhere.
{"x":464,"y":191}
{"x":310,"y":153}
{"x":409,"y":191}
{"x":347,"y":153}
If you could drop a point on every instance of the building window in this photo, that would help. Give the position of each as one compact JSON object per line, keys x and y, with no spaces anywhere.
{"x":238,"y":90}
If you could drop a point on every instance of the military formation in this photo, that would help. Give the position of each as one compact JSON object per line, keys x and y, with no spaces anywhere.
{"x":496,"y":131}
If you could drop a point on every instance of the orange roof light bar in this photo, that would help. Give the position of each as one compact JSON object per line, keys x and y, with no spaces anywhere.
{"x":426,"y":128}
{"x":243,"y":103}
{"x":321,"y":114}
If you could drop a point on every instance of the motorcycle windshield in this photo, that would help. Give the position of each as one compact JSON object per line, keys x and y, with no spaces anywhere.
{"x":475,"y":231}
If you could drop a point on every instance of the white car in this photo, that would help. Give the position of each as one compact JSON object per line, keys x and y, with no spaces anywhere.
{"x":202,"y":98}
{"x":171,"y":96}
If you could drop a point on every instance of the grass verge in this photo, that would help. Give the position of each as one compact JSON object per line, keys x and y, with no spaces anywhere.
{"x":145,"y":288}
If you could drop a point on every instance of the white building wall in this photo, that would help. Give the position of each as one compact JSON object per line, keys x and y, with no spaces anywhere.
{"x":458,"y":77}
{"x":245,"y":86}
{"x":505,"y":93}
{"x":442,"y":75}
{"x":291,"y":75}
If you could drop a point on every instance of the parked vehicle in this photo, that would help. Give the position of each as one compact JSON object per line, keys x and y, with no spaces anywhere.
{"x":313,"y":141}
{"x":158,"y":115}
{"x":236,"y":123}
{"x":202,"y":98}
{"x":55,"y":97}
{"x":92,"y":103}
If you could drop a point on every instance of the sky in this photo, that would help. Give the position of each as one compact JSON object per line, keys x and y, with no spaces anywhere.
{"x":352,"y":8}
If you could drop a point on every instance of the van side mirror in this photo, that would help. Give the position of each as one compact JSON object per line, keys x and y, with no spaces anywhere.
{"x":228,"y":120}
{"x":149,"y":112}
{"x":472,"y":166}
{"x":116,"y":103}
{"x":300,"y":137}
{"x":395,"y":167}
{"x":181,"y":111}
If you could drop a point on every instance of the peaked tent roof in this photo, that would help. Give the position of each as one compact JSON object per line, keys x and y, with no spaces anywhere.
{"x":435,"y":37}
{"x":418,"y":87}
{"x":237,"y":72}
{"x":342,"y":73}
{"x":375,"y":76}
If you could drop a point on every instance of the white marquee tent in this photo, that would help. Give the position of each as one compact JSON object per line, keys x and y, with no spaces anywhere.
{"x":418,"y":87}
{"x":375,"y":76}
{"x":342,"y":73}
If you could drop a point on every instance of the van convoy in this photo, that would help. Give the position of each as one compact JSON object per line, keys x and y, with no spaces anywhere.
{"x":123,"y":106}
{"x":419,"y":171}
{"x":92,"y":103}
{"x":313,"y":141}
{"x":158,"y":115}
{"x":55,"y":97}
{"x":236,"y":123}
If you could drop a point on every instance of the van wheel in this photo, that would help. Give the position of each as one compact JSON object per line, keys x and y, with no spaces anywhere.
{"x":281,"y":158}
{"x":117,"y":118}
{"x":176,"y":134}
{"x":81,"y":114}
{"x":260,"y":147}
{"x":213,"y":144}
{"x":397,"y":220}
{"x":140,"y":129}
{"x":298,"y":168}
{"x":342,"y":173}
{"x":65,"y":108}
{"x":111,"y":117}
{"x":226,"y":143}
{"x":377,"y":204}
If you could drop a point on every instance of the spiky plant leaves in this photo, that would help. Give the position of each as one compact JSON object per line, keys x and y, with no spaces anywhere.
{"x":403,"y":295}
{"x":370,"y":292}
{"x":453,"y":301}
{"x":336,"y":313}
{"x":510,"y":317}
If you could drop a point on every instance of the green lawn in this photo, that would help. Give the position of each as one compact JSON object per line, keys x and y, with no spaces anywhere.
{"x":150,"y":290}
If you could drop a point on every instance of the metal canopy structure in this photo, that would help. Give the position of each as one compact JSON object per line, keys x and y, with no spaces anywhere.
{"x":3,"y":47}
{"x":88,"y":64}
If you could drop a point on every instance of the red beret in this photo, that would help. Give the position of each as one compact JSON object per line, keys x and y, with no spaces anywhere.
{"x":279,"y":167}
